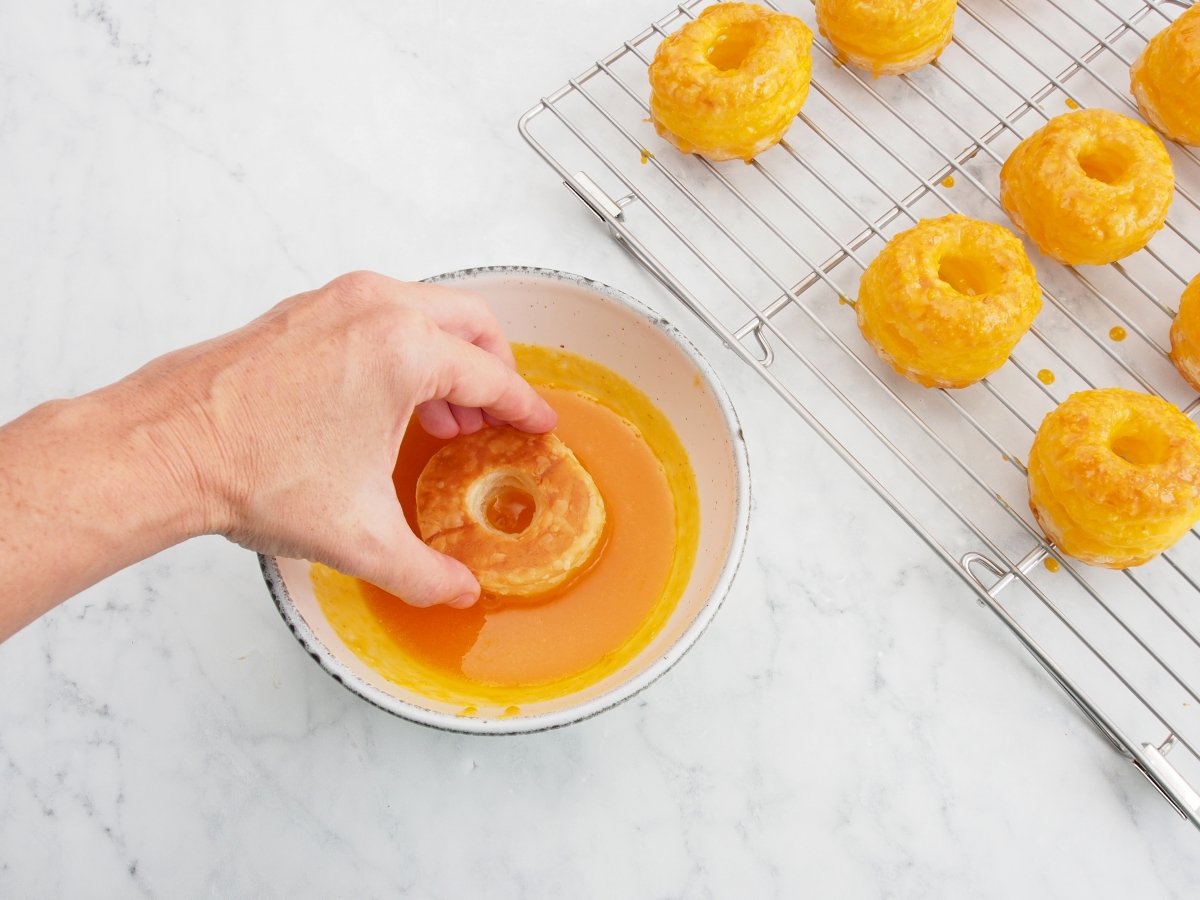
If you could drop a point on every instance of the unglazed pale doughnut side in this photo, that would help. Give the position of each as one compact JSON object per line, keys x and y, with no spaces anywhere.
{"x":1114,"y":476}
{"x":887,"y":37}
{"x":1089,"y":187}
{"x":945,"y":302}
{"x":729,"y":84}
{"x":564,"y":530}
{"x":1165,"y":79}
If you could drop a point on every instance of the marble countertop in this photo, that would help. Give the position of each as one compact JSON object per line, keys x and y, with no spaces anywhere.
{"x":168,"y":171}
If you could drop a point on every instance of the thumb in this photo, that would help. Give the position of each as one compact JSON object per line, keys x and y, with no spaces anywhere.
{"x":418,"y":574}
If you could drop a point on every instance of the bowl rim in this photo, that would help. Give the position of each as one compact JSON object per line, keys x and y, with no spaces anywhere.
{"x":353,"y":682}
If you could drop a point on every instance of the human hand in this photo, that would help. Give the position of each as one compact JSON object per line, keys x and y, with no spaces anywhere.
{"x":287,"y":430}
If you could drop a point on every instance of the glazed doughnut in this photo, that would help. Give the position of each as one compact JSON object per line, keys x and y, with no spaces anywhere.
{"x":946,"y":301}
{"x":1114,"y":476}
{"x":887,"y":37}
{"x":1185,"y":335}
{"x":728,"y":84}
{"x":1088,"y":187}
{"x":1165,"y":79}
{"x":517,"y":509}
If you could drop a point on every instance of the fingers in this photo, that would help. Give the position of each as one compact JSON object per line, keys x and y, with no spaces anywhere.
{"x":469,"y":419}
{"x":470,"y":364}
{"x":443,"y":420}
{"x":437,"y":420}
{"x":418,"y":574}
{"x":470,"y":377}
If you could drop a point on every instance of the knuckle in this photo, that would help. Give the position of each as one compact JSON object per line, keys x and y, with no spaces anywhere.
{"x":357,"y":285}
{"x":410,"y":327}
{"x":476,"y":305}
{"x":413,"y":338}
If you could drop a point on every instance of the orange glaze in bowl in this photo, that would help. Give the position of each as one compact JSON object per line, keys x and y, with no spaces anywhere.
{"x":503,"y":652}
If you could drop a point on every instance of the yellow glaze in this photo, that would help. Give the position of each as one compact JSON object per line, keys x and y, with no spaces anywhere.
{"x":1089,"y":187}
{"x":1165,"y":79}
{"x":945,"y":302}
{"x":729,"y":84}
{"x":1114,"y":476}
{"x":1185,"y":335}
{"x":887,"y":37}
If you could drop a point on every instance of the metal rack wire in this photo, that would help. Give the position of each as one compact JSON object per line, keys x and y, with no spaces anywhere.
{"x":768,"y":255}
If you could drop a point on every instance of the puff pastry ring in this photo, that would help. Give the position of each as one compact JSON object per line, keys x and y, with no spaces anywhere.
{"x":946,"y":302}
{"x":887,"y":37}
{"x":517,"y":509}
{"x":1185,"y":335}
{"x":728,"y":84}
{"x":1088,"y":187}
{"x":1114,"y":476}
{"x":1165,"y":78}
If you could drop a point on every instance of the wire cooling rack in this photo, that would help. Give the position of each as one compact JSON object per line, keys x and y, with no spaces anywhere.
{"x":769,"y":256}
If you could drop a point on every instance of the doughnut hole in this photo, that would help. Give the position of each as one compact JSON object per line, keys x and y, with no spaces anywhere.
{"x":733,"y":46}
{"x":505,"y":501}
{"x":510,"y":510}
{"x":1140,"y":445}
{"x":968,"y":275}
{"x":1107,"y":162}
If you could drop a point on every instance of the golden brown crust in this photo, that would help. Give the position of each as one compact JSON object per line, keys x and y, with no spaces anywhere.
{"x":1114,"y":476}
{"x":887,"y":37}
{"x":1185,"y":335}
{"x":1165,"y":79}
{"x":728,"y":84}
{"x":460,"y":480}
{"x":1089,"y":187}
{"x":946,"y":302}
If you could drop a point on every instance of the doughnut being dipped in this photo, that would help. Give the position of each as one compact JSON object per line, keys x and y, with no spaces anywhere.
{"x":517,"y":509}
{"x":1114,"y":476}
{"x":1088,"y":187}
{"x":728,"y":84}
{"x":1185,"y":335}
{"x":1165,"y":79}
{"x":887,"y":37}
{"x":946,"y":302}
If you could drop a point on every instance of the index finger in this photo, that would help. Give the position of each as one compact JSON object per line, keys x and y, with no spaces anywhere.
{"x":467,"y":375}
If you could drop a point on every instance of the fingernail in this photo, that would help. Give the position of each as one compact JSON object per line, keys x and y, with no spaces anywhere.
{"x":463,"y":602}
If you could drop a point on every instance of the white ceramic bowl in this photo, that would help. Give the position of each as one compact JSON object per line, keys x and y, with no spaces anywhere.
{"x":538,"y":306}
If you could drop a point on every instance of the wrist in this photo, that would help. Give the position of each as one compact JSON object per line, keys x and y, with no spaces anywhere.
{"x":88,"y":486}
{"x":160,"y":432}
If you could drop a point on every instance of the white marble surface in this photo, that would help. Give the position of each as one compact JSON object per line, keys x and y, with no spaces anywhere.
{"x":169,"y":170}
